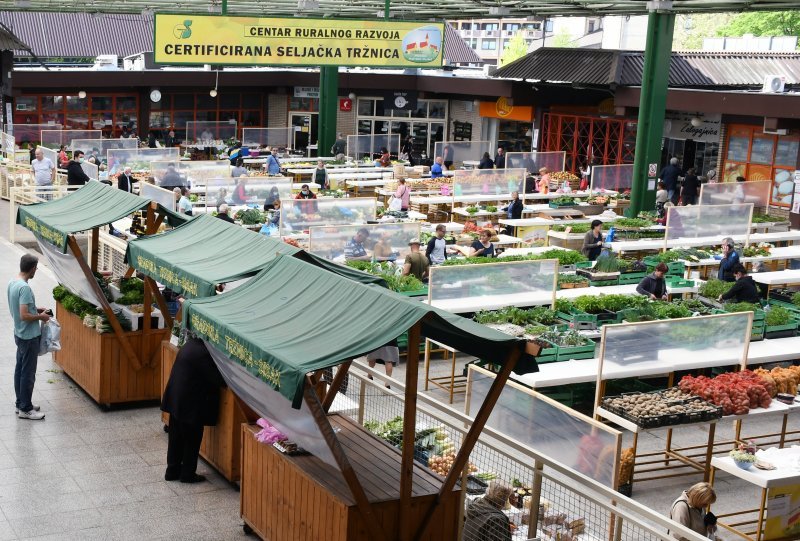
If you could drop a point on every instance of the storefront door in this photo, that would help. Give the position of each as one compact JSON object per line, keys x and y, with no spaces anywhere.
{"x":305,"y":127}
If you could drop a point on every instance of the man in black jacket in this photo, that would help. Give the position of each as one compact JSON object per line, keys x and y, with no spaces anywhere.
{"x":125,"y":181}
{"x":75,"y":173}
{"x":653,"y":285}
{"x":192,"y":401}
{"x":744,"y":289}
{"x":223,"y":213}
{"x":514,"y":209}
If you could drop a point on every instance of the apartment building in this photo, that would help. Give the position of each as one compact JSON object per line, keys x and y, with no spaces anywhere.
{"x":488,"y":37}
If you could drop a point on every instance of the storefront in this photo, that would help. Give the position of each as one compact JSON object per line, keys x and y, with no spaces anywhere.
{"x":109,"y":112}
{"x":692,"y":138}
{"x":755,"y":155}
{"x":511,"y":126}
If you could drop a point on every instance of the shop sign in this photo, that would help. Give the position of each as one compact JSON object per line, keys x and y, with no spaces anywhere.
{"x":400,"y":100}
{"x":211,"y":39}
{"x":679,"y":125}
{"x":345,"y":104}
{"x":306,"y":92}
{"x":504,"y":108}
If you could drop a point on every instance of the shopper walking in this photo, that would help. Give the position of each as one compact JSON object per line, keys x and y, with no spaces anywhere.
{"x":75,"y":173}
{"x":669,"y":176}
{"x":125,"y":180}
{"x":192,"y":400}
{"x":27,"y":332}
{"x":403,"y":194}
{"x":44,"y":172}
{"x":273,"y":164}
{"x":691,"y":188}
{"x":320,"y":176}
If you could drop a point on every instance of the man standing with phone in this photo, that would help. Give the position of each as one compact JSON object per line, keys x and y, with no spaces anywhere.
{"x":27,"y":333}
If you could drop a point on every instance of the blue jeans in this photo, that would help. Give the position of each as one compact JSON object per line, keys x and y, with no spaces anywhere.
{"x":25,"y":371}
{"x":670,"y":194}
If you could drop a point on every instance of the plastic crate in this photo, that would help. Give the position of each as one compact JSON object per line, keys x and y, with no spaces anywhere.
{"x":604,"y":283}
{"x":674,"y":268}
{"x":631,"y":278}
{"x":677,"y":281}
{"x":584,"y":264}
{"x":418,"y":293}
{"x":554,"y":205}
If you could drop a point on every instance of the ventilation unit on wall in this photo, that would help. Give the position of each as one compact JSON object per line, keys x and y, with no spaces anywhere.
{"x":774,"y":83}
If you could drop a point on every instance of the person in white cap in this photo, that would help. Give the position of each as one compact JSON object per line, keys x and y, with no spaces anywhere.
{"x":416,"y":263}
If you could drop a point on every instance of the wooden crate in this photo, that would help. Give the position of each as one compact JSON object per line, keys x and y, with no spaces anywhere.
{"x":98,"y":364}
{"x":222,"y":444}
{"x":302,"y":498}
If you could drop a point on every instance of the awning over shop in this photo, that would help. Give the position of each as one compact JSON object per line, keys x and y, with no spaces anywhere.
{"x":91,"y":206}
{"x":323,"y":320}
{"x":192,"y":259}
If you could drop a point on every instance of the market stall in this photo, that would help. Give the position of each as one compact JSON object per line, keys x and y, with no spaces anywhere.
{"x":275,"y":370}
{"x":455,"y":153}
{"x":533,"y":161}
{"x":115,"y":365}
{"x":138,"y":159}
{"x":729,"y":193}
{"x":368,"y":147}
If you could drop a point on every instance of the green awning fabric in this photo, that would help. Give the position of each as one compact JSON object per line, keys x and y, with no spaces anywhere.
{"x":192,"y":259}
{"x":92,"y":205}
{"x":294,"y":318}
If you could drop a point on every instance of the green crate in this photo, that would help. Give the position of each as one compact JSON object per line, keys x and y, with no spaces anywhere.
{"x":604,"y":283}
{"x":554,"y":205}
{"x":576,"y":352}
{"x":417,"y":293}
{"x":758,"y":315}
{"x":631,"y":278}
{"x":584,"y":264}
{"x":674,"y":268}
{"x":677,"y":281}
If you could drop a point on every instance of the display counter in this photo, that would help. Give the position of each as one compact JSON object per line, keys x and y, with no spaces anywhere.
{"x":98,"y":364}
{"x":301,"y":497}
{"x":222,"y":444}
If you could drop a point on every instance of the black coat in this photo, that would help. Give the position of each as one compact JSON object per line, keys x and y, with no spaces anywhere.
{"x":516,"y":209}
{"x":650,"y":285}
{"x":743,"y":290}
{"x":125,"y":182}
{"x":75,"y":174}
{"x":225,"y":217}
{"x":192,"y":393}
{"x":486,"y":163}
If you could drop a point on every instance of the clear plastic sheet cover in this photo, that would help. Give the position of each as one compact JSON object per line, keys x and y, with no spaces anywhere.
{"x":567,"y":437}
{"x":641,"y":349}
{"x":488,"y":182}
{"x":55,"y":138}
{"x":91,"y":170}
{"x":256,"y":190}
{"x":369,"y":146}
{"x":729,"y":193}
{"x":616,"y":178}
{"x":298,"y":425}
{"x":460,"y":151}
{"x":30,"y":133}
{"x":192,"y":174}
{"x":50,"y":154}
{"x":138,"y":159}
{"x":208,"y":131}
{"x":533,"y":161}
{"x":388,"y":240}
{"x":712,"y":222}
{"x":280,"y":138}
{"x":99,"y":147}
{"x":298,"y":215}
{"x":164,"y":197}
{"x":68,"y":271}
{"x":468,"y":288}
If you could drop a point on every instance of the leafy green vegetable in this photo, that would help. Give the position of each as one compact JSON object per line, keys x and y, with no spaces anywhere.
{"x":796,"y":299}
{"x":632,"y":223}
{"x":132,"y":297}
{"x":472,"y":210}
{"x":249,"y":216}
{"x":127,"y":285}
{"x":714,"y":288}
{"x":667,"y":310}
{"x":572,"y":279}
{"x":741,"y":307}
{"x":569,"y":338}
{"x":491,"y":208}
{"x":778,"y":315}
{"x":606,"y":262}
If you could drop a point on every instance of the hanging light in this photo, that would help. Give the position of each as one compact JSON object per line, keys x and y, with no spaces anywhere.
{"x":213,"y":92}
{"x":82,"y":94}
{"x":696,"y":121}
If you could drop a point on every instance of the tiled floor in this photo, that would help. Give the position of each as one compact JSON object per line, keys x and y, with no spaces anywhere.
{"x":86,"y":474}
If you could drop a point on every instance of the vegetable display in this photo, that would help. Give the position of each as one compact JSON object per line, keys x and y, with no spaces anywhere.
{"x":565,"y":257}
{"x":471,"y":210}
{"x":249,"y":216}
{"x":762,"y":249}
{"x":735,"y":392}
{"x":780,"y":380}
{"x":606,"y":263}
{"x":391,"y":274}
{"x":660,"y":408}
{"x":518,"y":316}
{"x":778,"y":315}
{"x":713,"y":288}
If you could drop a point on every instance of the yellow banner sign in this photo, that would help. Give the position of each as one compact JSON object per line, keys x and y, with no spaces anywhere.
{"x":256,"y":41}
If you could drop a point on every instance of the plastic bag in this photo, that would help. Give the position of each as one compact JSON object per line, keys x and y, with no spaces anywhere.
{"x":395,"y":204}
{"x":51,"y":337}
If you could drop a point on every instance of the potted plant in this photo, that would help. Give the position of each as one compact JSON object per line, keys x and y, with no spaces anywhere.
{"x":744,"y":455}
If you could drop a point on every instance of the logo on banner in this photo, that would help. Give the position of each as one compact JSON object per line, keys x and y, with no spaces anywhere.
{"x":346,"y":105}
{"x":422,"y":45}
{"x":502,"y":107}
{"x":183,"y":31}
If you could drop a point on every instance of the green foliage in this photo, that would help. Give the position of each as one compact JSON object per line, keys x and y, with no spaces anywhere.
{"x":73,"y":303}
{"x":606,"y":262}
{"x":128,"y":285}
{"x":741,"y":307}
{"x":518,"y":316}
{"x":472,"y":210}
{"x":766,"y":23}
{"x":131,"y":297}
{"x":591,"y":304}
{"x":694,"y":305}
{"x":714,"y":288}
{"x":632,"y":223}
{"x":691,"y":29}
{"x":564,"y":306}
{"x":564,"y":200}
{"x":565,"y":257}
{"x":249,"y":216}
{"x":767,"y":219}
{"x":572,"y":279}
{"x":668,"y":310}
{"x":491,"y":208}
{"x":796,"y":299}
{"x":515,"y":49}
{"x":778,"y":315}
{"x":570,"y":338}
{"x":403,"y":283}
{"x":563,"y":39}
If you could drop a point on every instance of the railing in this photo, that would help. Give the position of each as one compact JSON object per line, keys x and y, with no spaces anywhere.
{"x":27,"y":194}
{"x":112,"y":254}
{"x":558,"y":490}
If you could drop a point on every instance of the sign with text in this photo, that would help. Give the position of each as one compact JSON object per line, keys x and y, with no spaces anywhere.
{"x":306,"y":92}
{"x":210,"y":39}
{"x":400,"y":100}
{"x":703,"y":128}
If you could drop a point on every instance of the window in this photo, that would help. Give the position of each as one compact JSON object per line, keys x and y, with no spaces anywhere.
{"x":489,"y":45}
{"x":590,"y":27}
{"x":489,"y":26}
{"x":533,"y":26}
{"x":175,"y":110}
{"x":505,"y":43}
{"x":511,"y":27}
{"x":466,"y":26}
{"x":548,"y":25}
{"x":427,"y":126}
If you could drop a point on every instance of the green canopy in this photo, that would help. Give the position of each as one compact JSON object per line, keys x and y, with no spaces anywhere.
{"x":194,"y":258}
{"x":90,"y":206}
{"x":294,"y":318}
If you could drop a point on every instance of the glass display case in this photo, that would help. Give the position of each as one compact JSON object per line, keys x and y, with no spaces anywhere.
{"x":616,"y":178}
{"x":279,"y":139}
{"x":533,"y":161}
{"x":91,"y":170}
{"x":727,"y":193}
{"x":487,"y":183}
{"x":171,"y":174}
{"x":255,"y":191}
{"x":469,"y":288}
{"x":55,"y":138}
{"x":31,"y":133}
{"x":384,"y":242}
{"x":211,"y":133}
{"x":138,"y":159}
{"x":360,"y":147}
{"x":712,"y":222}
{"x":550,"y":428}
{"x":299,"y":215}
{"x":98,"y":148}
{"x":455,"y":153}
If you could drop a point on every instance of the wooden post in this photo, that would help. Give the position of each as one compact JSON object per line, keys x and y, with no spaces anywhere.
{"x":338,"y":379}
{"x":146,"y":324}
{"x":162,"y":304}
{"x":409,"y":433}
{"x":364,"y":507}
{"x":112,"y":319}
{"x":471,"y":437}
{"x":95,"y":248}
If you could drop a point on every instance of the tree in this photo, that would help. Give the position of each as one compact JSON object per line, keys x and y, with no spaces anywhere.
{"x":563,"y":38}
{"x":691,"y":30}
{"x":766,"y":23}
{"x":516,"y":48}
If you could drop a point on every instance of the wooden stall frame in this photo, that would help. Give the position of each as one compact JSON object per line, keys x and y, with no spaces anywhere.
{"x":669,"y":453}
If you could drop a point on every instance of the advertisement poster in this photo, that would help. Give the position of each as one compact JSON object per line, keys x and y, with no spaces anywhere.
{"x":210,"y":39}
{"x":783,"y":513}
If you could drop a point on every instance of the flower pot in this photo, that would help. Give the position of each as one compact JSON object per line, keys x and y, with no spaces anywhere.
{"x":743,"y":464}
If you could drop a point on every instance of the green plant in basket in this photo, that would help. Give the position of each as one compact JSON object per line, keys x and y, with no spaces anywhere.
{"x":491,"y":208}
{"x":543,"y":315}
{"x":668,"y":310}
{"x":777,"y":315}
{"x":741,"y":307}
{"x":606,"y":262}
{"x":591,"y":304}
{"x":471,"y":210}
{"x":536,"y":330}
{"x":572,"y":279}
{"x":714,"y":288}
{"x":564,"y":306}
